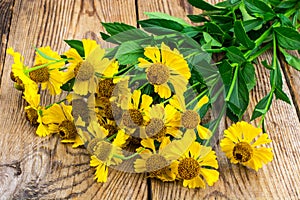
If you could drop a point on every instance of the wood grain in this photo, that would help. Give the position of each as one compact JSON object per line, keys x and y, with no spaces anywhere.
{"x":293,"y":80}
{"x":5,"y":19}
{"x":42,"y":168}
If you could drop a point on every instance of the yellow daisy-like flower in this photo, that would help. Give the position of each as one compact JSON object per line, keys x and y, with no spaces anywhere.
{"x":84,"y":69}
{"x":159,"y":163}
{"x":60,"y":120}
{"x":163,"y":121}
{"x":165,"y":67}
{"x":240,"y":146}
{"x":190,"y":118}
{"x":104,"y":153}
{"x":18,"y":72}
{"x":137,"y":111}
{"x":34,"y":112}
{"x":197,"y":166}
{"x":49,"y":76}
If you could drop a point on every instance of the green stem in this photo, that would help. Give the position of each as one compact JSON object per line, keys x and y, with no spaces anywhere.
{"x":216,"y":124}
{"x":197,"y":97}
{"x":131,"y":156}
{"x":122,"y":70}
{"x":43,"y":65}
{"x":111,"y":137}
{"x":232,"y":83}
{"x":59,"y":102}
{"x":215,"y":50}
{"x":258,"y":53}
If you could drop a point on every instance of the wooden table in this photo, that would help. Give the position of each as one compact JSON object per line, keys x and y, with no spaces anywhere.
{"x":43,"y":168}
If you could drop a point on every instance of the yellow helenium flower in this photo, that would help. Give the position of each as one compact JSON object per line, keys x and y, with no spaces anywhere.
{"x":104,"y":152}
{"x":163,"y":121}
{"x":240,"y":146}
{"x":34,"y":112}
{"x":49,"y":76}
{"x":190,"y":118}
{"x":160,"y":163}
{"x":157,"y":163}
{"x":197,"y":165}
{"x":165,"y":67}
{"x":137,"y":111}
{"x":84,"y":69}
{"x":19,"y":72}
{"x":60,"y":120}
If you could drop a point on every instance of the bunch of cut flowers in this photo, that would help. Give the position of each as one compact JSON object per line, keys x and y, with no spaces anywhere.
{"x":152,"y":103}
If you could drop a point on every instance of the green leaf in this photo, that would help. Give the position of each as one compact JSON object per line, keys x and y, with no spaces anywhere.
{"x":252,"y":24}
{"x":285,"y":21}
{"x":76,"y":44}
{"x":209,"y":39}
{"x":216,"y":31}
{"x":226,"y":72}
{"x":159,"y":15}
{"x":288,"y":38}
{"x":129,"y":52}
{"x":282,"y":95}
{"x":235,"y":55}
{"x":116,"y":27}
{"x":68,"y":85}
{"x":291,"y":60}
{"x":241,"y":35}
{"x":248,"y":74}
{"x":287,"y":4}
{"x":239,"y":98}
{"x":204,"y":5}
{"x":260,"y":9}
{"x":262,"y":107}
{"x":168,"y":24}
{"x":197,"y":18}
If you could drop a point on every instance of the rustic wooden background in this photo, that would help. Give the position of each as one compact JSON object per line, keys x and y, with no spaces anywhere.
{"x":35,"y":168}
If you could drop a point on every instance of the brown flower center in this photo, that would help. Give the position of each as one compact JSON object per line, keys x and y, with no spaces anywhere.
{"x":190,"y":119}
{"x":76,"y":69}
{"x":156,"y":162}
{"x":80,"y":108}
{"x":156,"y":128}
{"x":32,"y":116}
{"x":91,"y":145}
{"x":40,"y":75}
{"x":158,"y":74}
{"x":133,"y":118}
{"x":102,"y":150}
{"x":105,"y":88}
{"x":242,"y":152}
{"x":85,"y":72}
{"x":188,"y":168}
{"x":67,"y":129}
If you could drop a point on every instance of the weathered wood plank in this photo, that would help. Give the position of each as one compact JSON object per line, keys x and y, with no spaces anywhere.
{"x":293,"y":81}
{"x":277,"y":180}
{"x":5,"y":21}
{"x":35,"y":168}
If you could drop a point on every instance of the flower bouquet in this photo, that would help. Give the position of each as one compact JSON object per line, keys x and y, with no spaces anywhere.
{"x":153,"y":102}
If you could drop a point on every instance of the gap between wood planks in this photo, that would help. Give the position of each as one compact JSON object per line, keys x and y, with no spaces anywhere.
{"x":6,"y":10}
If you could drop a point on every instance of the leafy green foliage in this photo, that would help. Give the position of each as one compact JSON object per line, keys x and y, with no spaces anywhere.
{"x":76,"y":44}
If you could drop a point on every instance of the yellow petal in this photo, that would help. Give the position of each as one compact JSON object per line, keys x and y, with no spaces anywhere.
{"x":204,"y":133}
{"x":88,"y":46}
{"x":210,"y":175}
{"x":153,"y":53}
{"x":203,"y":100}
{"x":196,"y":182}
{"x":163,"y":90}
